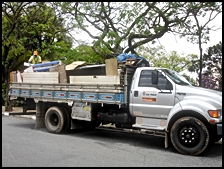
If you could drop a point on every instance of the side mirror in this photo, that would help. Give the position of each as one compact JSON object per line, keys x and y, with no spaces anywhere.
{"x":155,"y":77}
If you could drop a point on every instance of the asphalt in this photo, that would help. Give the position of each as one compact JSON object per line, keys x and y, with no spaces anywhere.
{"x":18,"y":112}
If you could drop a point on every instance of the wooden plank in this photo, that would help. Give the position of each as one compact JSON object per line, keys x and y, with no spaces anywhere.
{"x":14,"y":76}
{"x":111,"y":67}
{"x":62,"y":73}
{"x":10,"y":77}
{"x":75,"y":64}
{"x":95,"y":79}
{"x":41,"y":77}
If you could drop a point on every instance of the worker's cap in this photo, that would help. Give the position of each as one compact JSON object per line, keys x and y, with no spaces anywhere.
{"x":35,"y":53}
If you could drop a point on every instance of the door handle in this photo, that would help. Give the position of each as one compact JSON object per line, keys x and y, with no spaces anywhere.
{"x":135,"y":93}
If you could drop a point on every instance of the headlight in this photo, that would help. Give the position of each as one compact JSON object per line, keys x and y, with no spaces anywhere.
{"x":214,"y":113}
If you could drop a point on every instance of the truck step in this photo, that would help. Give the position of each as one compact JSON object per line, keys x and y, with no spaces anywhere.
{"x":139,"y":131}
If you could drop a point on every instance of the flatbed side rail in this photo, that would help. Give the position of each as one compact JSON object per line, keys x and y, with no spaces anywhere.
{"x":70,"y":92}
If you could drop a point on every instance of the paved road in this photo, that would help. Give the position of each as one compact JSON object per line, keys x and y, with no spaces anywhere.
{"x":17,"y":110}
{"x":24,"y":146}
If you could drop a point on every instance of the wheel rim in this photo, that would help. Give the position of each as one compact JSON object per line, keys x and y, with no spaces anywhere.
{"x":54,"y":120}
{"x":189,"y":136}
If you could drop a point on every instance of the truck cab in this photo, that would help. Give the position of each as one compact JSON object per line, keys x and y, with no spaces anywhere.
{"x":161,"y":99}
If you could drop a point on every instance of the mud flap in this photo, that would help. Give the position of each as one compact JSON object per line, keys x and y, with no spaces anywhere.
{"x":41,"y":109}
{"x":166,"y":140}
{"x":219,"y":129}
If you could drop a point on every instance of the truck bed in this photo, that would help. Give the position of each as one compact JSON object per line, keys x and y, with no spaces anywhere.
{"x":103,"y":93}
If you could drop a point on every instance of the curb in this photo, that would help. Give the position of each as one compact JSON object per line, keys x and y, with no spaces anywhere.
{"x":24,"y":116}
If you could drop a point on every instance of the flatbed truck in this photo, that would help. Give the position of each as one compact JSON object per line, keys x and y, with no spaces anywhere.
{"x":148,"y":100}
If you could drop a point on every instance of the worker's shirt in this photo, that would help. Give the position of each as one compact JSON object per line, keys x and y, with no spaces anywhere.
{"x":35,"y":60}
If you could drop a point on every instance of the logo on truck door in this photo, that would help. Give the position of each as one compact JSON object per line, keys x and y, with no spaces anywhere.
{"x":149,"y":96}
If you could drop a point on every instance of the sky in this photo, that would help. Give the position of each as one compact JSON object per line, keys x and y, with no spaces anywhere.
{"x":171,"y":43}
{"x":183,"y":46}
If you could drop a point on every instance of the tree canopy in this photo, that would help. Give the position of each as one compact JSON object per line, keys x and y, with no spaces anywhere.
{"x":124,"y":26}
{"x":115,"y":27}
{"x":29,"y":26}
{"x":212,"y":65}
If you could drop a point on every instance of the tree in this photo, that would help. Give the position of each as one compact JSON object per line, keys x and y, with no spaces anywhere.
{"x":194,"y":30}
{"x":86,"y":53}
{"x":27,"y":26}
{"x":124,"y":26}
{"x":212,"y":65}
{"x":158,"y":57}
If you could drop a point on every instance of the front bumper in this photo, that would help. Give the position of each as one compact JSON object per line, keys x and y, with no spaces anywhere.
{"x":219,"y":129}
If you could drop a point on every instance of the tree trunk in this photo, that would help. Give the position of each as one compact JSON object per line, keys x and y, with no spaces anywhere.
{"x":8,"y":103}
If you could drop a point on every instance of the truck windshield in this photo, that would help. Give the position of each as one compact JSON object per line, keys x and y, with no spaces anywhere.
{"x":176,"y":78}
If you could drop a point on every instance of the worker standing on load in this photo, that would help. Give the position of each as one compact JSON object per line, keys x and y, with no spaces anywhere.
{"x":35,"y":58}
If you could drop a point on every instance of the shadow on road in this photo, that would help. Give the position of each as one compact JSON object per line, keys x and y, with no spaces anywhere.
{"x":133,"y":139}
{"x":138,"y":140}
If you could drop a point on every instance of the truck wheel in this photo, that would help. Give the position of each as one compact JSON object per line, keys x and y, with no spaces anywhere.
{"x":67,"y":121}
{"x":189,"y":136}
{"x":54,"y":119}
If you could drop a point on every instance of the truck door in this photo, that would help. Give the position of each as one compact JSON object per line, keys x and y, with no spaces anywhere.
{"x":148,"y":100}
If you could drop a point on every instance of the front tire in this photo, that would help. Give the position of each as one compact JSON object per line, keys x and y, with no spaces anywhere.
{"x":55,"y":119}
{"x":189,"y":136}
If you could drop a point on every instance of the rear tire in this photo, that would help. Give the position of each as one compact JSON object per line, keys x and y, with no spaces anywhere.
{"x":67,"y":121}
{"x":55,"y":119}
{"x":189,"y":136}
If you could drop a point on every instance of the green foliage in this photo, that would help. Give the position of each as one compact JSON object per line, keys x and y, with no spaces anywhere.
{"x":118,"y":23}
{"x":196,"y":29}
{"x":212,"y":65}
{"x":35,"y":28}
{"x":189,"y":79}
{"x":45,"y":26}
{"x":32,"y":26}
{"x":86,"y":53}
{"x":158,"y":57}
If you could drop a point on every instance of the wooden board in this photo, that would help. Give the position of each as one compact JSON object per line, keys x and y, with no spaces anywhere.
{"x":41,"y":77}
{"x":62,"y":73}
{"x":10,"y":77}
{"x":94,"y":79}
{"x":13,"y":76}
{"x":75,"y":64}
{"x":111,"y":67}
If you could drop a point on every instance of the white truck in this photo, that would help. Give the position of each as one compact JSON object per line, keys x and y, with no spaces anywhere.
{"x":148,"y":100}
